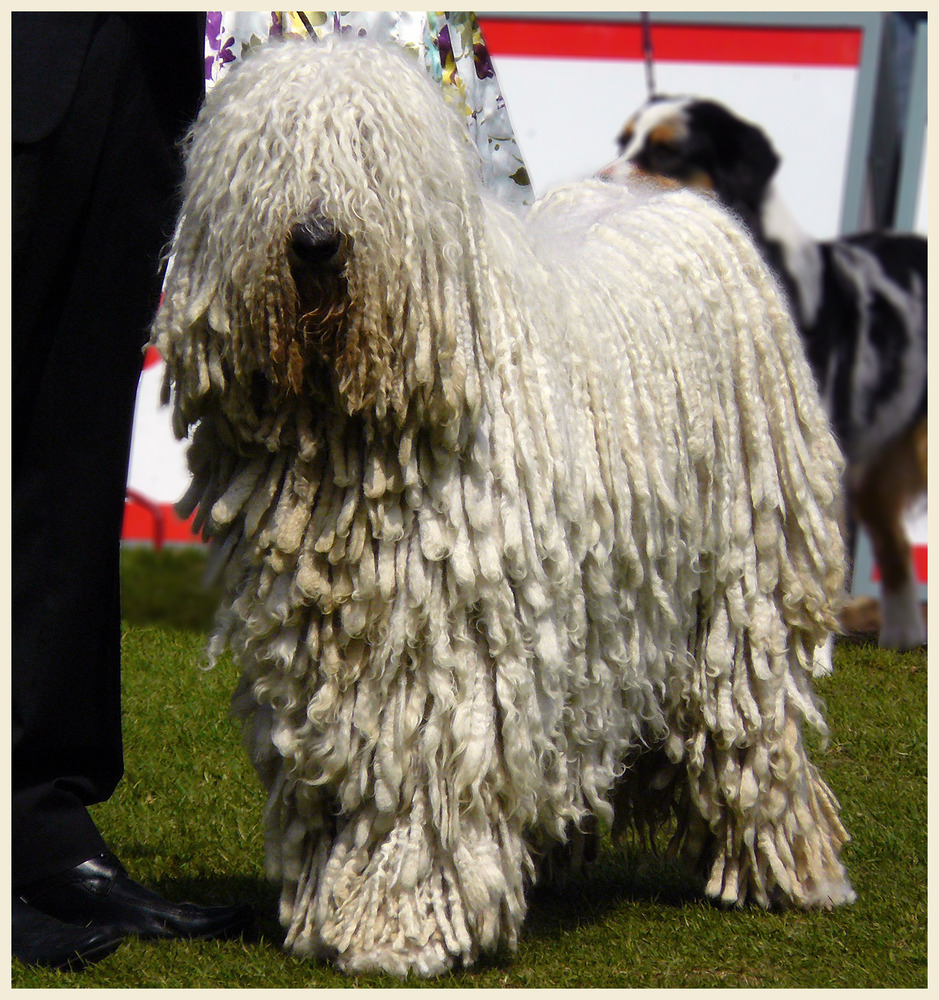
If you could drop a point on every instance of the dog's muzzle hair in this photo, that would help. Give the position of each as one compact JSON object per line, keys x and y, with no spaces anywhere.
{"x":316,"y":254}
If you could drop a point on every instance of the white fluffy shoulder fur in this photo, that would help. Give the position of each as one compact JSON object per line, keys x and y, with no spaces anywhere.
{"x":569,"y":496}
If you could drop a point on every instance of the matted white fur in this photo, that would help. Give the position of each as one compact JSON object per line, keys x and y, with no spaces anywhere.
{"x":528,"y":501}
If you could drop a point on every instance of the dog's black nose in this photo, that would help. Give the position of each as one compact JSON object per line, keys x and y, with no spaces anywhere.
{"x":314,"y":244}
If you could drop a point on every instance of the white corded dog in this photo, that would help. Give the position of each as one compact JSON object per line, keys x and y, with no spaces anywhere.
{"x":497,"y":527}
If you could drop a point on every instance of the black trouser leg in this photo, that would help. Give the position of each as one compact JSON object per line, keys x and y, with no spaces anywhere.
{"x":92,"y":206}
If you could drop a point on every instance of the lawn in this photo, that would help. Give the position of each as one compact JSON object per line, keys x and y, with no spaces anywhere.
{"x":187,"y":820}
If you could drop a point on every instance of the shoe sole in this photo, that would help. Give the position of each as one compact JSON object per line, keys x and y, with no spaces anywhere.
{"x":239,"y":927}
{"x":75,"y":963}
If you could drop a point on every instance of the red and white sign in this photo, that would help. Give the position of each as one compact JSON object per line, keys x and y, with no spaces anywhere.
{"x":158,"y":475}
{"x":569,"y":86}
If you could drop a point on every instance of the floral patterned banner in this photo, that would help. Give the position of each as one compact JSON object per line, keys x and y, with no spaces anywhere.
{"x":449,"y":45}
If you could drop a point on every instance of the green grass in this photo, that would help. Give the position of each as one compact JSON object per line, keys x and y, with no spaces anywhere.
{"x":186,"y":820}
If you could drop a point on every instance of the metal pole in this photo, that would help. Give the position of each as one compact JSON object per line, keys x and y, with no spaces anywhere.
{"x":647,"y":53}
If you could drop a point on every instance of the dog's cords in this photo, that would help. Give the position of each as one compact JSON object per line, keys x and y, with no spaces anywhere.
{"x":647,"y":52}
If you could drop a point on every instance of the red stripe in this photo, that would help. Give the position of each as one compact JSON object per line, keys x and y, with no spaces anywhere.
{"x":920,"y":565}
{"x":139,"y":525}
{"x":709,"y":43}
{"x":151,"y":357}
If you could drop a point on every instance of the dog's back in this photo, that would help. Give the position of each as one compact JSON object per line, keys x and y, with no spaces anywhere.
{"x":867,"y":341}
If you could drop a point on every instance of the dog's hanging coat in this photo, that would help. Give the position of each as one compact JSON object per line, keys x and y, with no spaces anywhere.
{"x":500,"y":503}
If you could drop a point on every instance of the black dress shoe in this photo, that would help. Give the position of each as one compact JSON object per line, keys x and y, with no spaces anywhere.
{"x":99,"y":893}
{"x":39,"y":939}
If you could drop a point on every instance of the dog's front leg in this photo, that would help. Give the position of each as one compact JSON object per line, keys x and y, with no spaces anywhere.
{"x":405,"y":860}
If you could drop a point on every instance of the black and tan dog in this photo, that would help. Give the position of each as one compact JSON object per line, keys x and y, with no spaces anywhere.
{"x":860,"y":304}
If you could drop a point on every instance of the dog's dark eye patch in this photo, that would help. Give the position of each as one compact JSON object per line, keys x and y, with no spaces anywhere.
{"x":663,"y":159}
{"x":314,"y":244}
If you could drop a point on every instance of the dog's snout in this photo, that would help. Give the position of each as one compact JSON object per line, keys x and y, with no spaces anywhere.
{"x":314,"y":244}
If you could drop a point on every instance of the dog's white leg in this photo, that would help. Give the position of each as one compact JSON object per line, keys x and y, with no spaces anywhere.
{"x":774,"y":834}
{"x":774,"y":831}
{"x":821,"y":658}
{"x":406,"y":860}
{"x":881,"y":492}
{"x":902,"y":624}
{"x":390,"y":896}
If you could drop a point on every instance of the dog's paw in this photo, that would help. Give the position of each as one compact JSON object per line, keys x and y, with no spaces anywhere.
{"x":903,"y":626}
{"x":821,"y":658}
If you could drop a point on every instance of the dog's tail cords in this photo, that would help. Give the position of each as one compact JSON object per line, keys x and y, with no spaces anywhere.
{"x":647,"y":52}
